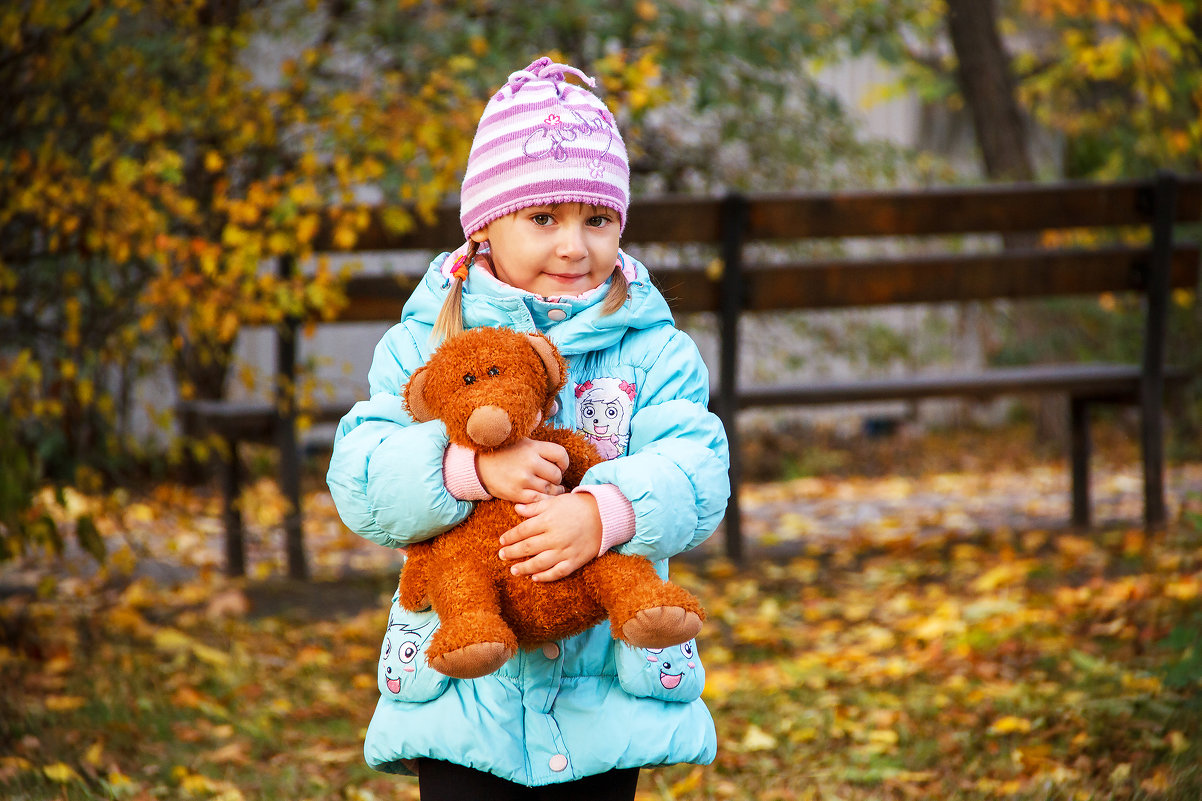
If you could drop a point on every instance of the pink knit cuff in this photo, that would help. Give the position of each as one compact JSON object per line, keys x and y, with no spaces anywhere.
{"x":460,"y":476}
{"x":617,"y":515}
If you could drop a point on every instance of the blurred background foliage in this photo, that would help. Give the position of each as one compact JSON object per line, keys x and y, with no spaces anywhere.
{"x":154,"y":154}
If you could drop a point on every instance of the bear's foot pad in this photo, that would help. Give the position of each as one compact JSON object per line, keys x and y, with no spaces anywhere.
{"x":661,"y":626}
{"x":472,"y":661}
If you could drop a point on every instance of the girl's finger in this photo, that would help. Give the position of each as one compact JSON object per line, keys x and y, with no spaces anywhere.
{"x":531,"y":503}
{"x":549,"y":471}
{"x":554,"y":453}
{"x":537,"y":563}
{"x":554,"y":573}
{"x":519,"y":532}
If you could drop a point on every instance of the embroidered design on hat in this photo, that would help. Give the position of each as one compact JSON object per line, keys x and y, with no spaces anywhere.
{"x":551,"y":138}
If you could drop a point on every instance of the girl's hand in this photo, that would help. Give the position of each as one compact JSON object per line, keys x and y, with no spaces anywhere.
{"x":560,"y":535}
{"x":524,"y":472}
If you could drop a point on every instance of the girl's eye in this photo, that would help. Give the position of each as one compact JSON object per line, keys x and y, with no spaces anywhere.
{"x":541,"y":219}
{"x":600,"y":221}
{"x":494,"y":370}
{"x":469,"y":379}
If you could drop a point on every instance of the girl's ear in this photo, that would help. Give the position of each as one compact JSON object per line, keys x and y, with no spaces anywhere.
{"x":481,"y":236}
{"x":415,"y":396}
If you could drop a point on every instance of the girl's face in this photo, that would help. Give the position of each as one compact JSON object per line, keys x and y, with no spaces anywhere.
{"x":563,"y":249}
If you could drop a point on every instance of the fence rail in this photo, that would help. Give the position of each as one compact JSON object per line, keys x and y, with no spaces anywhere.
{"x":735,"y":288}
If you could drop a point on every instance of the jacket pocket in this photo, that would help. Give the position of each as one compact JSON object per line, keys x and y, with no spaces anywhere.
{"x":674,"y":673}
{"x":403,"y":673}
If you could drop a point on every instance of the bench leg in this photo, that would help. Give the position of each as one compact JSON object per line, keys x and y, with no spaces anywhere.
{"x":231,"y":489}
{"x":1080,"y":447}
{"x":1152,"y":436}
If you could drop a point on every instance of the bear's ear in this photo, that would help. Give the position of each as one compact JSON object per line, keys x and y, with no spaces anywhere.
{"x":556,"y":367}
{"x":415,"y":396}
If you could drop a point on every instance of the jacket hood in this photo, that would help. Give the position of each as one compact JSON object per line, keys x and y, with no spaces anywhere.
{"x":574,"y":324}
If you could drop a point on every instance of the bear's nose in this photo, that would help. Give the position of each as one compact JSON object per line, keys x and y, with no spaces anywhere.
{"x":489,"y":426}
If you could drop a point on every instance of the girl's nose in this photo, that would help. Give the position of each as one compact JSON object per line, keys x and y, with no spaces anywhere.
{"x":571,"y":243}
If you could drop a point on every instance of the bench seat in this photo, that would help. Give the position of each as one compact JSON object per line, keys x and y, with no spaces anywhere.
{"x":1089,"y":381}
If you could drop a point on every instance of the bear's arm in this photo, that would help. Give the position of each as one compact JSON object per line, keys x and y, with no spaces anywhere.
{"x":581,"y":453}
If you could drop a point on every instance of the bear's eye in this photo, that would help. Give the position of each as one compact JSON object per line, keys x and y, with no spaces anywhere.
{"x":469,"y":379}
{"x":494,"y":370}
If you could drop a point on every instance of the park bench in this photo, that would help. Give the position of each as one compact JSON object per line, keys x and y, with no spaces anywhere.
{"x":1028,"y":269}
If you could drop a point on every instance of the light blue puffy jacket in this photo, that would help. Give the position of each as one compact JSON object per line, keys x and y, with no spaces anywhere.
{"x":638,"y":388}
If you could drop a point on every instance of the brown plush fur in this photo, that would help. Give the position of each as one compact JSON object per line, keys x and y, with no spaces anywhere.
{"x":493,"y":386}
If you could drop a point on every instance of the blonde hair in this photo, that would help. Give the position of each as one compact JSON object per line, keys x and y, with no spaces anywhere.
{"x":450,"y":316}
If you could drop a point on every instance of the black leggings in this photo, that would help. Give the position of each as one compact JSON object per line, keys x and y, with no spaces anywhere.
{"x":445,"y":781}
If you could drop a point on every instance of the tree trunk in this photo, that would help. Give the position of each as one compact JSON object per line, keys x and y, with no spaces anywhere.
{"x":987,"y":85}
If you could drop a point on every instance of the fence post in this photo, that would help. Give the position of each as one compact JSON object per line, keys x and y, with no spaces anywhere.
{"x":734,"y":231}
{"x":285,"y":433}
{"x":1164,"y":211}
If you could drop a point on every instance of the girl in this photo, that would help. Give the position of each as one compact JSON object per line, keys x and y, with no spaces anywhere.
{"x":543,"y":203}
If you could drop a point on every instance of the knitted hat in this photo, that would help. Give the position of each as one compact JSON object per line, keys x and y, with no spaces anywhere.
{"x":542,"y":140}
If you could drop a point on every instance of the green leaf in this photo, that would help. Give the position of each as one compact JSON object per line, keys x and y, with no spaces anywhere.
{"x":89,"y":538}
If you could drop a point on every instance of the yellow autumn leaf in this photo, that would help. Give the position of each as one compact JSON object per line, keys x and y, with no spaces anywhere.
{"x":234,"y":753}
{"x":311,"y":655}
{"x":64,"y":703}
{"x":883,"y":737}
{"x":344,"y":237}
{"x":756,"y":739}
{"x":94,"y":755}
{"x":14,"y":763}
{"x":1005,"y":574}
{"x":689,"y":783}
{"x":60,"y":772}
{"x":1010,"y":724}
{"x":1183,"y":589}
{"x":173,"y":640}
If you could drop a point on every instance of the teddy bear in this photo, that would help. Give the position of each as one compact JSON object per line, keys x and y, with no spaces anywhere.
{"x":491,"y":387}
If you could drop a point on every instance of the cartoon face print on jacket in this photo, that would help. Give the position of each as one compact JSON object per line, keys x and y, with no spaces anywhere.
{"x":603,"y":409}
{"x":673,"y":664}
{"x":403,"y":672}
{"x":670,"y":674}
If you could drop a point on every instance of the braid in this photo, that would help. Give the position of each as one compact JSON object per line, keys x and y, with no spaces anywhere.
{"x":450,"y":317}
{"x":616,"y":296}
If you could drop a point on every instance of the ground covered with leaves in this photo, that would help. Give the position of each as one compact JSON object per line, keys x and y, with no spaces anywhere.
{"x":890,"y":662}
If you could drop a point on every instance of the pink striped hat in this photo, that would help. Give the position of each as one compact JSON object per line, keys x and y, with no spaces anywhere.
{"x":542,"y":140}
